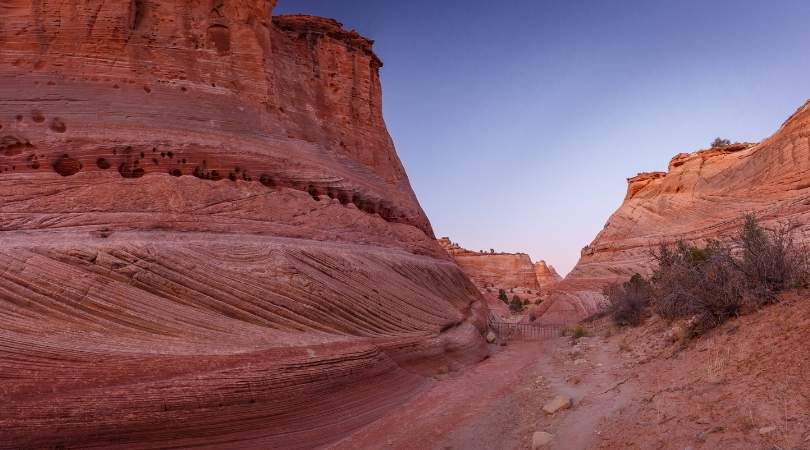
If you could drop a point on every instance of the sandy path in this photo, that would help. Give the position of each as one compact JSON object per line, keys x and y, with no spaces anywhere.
{"x":498,"y":403}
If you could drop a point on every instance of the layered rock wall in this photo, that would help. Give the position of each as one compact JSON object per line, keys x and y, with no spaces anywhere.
{"x":502,"y":270}
{"x":702,"y":196}
{"x":207,"y":235}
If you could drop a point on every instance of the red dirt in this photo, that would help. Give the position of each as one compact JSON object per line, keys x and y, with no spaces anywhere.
{"x":632,"y":389}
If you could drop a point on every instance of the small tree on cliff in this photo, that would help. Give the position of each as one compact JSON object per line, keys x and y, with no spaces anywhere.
{"x":516,"y":305}
{"x":720,"y":142}
{"x":502,"y":296}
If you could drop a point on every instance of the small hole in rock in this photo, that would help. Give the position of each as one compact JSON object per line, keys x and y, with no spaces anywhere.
{"x":58,"y":126}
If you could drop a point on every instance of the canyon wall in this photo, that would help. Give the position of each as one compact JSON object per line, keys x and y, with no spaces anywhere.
{"x":502,"y":270}
{"x":207,"y":235}
{"x":702,"y":196}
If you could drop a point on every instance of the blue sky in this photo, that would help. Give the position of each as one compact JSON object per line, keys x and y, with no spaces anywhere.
{"x":518,"y":122}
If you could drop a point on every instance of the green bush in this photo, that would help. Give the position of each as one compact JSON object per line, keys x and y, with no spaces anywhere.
{"x":516,"y":305}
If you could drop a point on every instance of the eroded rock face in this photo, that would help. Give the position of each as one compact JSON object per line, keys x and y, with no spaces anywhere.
{"x":207,"y":235}
{"x":546,"y":274}
{"x":702,"y":196}
{"x":498,"y":270}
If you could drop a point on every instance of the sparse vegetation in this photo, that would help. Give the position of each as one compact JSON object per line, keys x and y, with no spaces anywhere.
{"x":708,"y":285}
{"x":577,"y":331}
{"x":629,"y":301}
{"x":502,"y":296}
{"x":516,"y":305}
{"x":720,"y":142}
{"x":538,"y":301}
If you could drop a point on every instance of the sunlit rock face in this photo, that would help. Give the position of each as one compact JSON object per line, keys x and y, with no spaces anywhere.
{"x":501,"y":270}
{"x":702,"y":196}
{"x":207,"y":235}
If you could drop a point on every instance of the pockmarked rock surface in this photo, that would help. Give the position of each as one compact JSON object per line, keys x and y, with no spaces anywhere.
{"x":702,"y":196}
{"x":207,"y":235}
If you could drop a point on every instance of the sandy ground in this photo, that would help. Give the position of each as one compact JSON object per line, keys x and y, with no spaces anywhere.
{"x":745,"y":385}
{"x":498,"y":403}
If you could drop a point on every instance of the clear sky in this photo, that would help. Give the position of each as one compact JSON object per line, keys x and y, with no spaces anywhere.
{"x":519,"y":121}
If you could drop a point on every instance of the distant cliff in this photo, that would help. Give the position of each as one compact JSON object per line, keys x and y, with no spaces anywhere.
{"x":502,"y":270}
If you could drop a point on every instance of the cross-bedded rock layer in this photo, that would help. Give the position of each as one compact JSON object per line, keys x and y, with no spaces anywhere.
{"x":702,"y":196}
{"x":207,"y":236}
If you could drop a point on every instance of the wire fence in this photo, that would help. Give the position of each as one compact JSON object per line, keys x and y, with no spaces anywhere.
{"x":506,"y":331}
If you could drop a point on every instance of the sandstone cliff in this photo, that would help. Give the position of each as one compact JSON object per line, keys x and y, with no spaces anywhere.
{"x":702,"y":196}
{"x":498,"y":270}
{"x":207,"y":235}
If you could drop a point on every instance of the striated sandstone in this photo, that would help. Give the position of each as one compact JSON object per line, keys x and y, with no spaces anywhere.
{"x":501,"y":270}
{"x":703,"y":196}
{"x":207,"y":235}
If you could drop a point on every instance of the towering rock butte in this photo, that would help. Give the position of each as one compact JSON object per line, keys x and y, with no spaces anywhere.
{"x":702,"y":196}
{"x":207,"y":236}
{"x":502,"y":270}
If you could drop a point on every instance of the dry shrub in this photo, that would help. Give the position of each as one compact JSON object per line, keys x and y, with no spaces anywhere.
{"x":702,"y":283}
{"x":771,"y":261}
{"x":708,"y":285}
{"x":628,"y":301}
{"x":711,"y":284}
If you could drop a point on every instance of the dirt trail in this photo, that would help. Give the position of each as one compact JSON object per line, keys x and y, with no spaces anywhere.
{"x":744,"y":385}
{"x":498,"y":403}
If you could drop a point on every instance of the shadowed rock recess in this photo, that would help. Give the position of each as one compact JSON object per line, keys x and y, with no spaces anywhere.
{"x":702,"y":196}
{"x":207,"y":236}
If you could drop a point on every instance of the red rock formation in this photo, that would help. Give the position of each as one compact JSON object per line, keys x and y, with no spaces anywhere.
{"x":547,"y":276}
{"x":702,"y":196}
{"x":502,"y":269}
{"x":499,"y":270}
{"x":207,"y":236}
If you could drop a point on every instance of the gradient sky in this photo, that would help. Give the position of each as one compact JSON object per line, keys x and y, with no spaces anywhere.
{"x":519,"y":121}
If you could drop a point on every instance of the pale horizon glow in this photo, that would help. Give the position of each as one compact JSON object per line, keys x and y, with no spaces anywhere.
{"x":519,"y":123}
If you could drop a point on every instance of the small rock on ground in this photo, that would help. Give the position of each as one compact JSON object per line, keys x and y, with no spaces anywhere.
{"x":491,"y":337}
{"x":766,"y":430}
{"x":540,"y":439}
{"x":559,"y":402}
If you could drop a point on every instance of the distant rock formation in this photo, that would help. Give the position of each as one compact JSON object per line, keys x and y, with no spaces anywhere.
{"x":502,"y":270}
{"x":207,"y":236}
{"x":702,"y":196}
{"x":547,"y":276}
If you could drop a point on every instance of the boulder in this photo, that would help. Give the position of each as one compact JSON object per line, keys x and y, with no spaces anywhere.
{"x":491,"y":337}
{"x":558,"y":403}
{"x":541,"y":439}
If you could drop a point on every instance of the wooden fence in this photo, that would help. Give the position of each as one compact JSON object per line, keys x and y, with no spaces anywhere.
{"x":506,"y":331}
